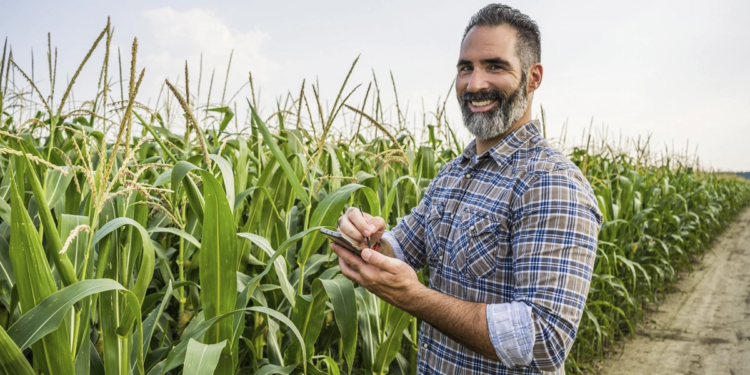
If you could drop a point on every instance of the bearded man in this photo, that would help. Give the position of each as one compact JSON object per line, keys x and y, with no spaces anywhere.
{"x":508,"y":229}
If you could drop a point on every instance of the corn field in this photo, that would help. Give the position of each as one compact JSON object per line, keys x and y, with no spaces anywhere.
{"x":178,"y":238}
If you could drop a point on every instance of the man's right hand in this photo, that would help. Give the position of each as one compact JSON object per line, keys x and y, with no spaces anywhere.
{"x":356,"y":225}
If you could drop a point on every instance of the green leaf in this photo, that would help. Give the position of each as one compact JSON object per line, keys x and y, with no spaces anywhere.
{"x":57,"y":183}
{"x":35,"y":283}
{"x":279,"y":264}
{"x":341,"y":292}
{"x":228,"y":115}
{"x":392,"y":194}
{"x":12,"y":361}
{"x":4,"y":210}
{"x":326,"y":214}
{"x":275,"y":369}
{"x":64,"y":267}
{"x":176,"y":232}
{"x":368,"y":306}
{"x":149,"y":325}
{"x":308,"y":315}
{"x":218,"y":263}
{"x":177,"y":354}
{"x":398,"y":320}
{"x":47,"y":316}
{"x":333,"y":367}
{"x":77,"y":249}
{"x":280,"y":157}
{"x":227,"y":174}
{"x":201,"y":358}
{"x":145,"y":273}
{"x":179,"y":172}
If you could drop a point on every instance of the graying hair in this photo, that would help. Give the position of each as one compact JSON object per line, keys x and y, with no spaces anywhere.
{"x":529,"y":44}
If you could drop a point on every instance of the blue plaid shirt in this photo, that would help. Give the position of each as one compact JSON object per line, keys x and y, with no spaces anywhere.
{"x":515,"y":228}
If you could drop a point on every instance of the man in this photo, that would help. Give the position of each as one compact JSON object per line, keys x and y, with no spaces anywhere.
{"x":508,"y":229}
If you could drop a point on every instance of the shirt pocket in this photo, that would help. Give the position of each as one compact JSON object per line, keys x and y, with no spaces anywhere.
{"x":477,"y":245}
{"x":434,"y":228}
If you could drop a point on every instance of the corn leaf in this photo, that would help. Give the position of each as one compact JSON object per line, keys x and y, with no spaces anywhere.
{"x":179,"y":172}
{"x":341,"y":292}
{"x":398,"y":320}
{"x":57,"y":183}
{"x":326,"y":215}
{"x":308,"y":315}
{"x":77,"y":249}
{"x":201,"y":358}
{"x":218,"y":263}
{"x":12,"y":361}
{"x":279,"y":264}
{"x":47,"y":316}
{"x":35,"y":283}
{"x":280,"y":157}
{"x":176,"y":356}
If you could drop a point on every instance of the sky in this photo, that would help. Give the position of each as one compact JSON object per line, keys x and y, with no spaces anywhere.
{"x":674,"y":70}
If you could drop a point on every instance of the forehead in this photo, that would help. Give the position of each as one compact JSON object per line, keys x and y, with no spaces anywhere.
{"x":485,"y":42}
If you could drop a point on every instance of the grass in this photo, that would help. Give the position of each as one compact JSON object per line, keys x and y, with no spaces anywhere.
{"x":117,"y":253}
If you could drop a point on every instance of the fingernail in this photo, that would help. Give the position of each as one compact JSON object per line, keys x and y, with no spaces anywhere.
{"x":372,"y":228}
{"x":366,"y":233}
{"x":366,"y":253}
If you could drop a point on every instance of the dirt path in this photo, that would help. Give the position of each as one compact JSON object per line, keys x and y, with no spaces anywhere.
{"x":705,"y":327}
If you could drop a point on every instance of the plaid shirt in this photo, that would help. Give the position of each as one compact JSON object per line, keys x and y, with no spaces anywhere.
{"x":515,"y":228}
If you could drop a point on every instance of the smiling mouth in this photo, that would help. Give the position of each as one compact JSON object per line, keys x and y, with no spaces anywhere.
{"x":481,"y":105}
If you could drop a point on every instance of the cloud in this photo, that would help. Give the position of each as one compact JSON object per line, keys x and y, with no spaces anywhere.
{"x":177,"y":36}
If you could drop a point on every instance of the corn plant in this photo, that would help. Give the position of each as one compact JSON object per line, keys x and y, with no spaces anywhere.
{"x":177,"y":238}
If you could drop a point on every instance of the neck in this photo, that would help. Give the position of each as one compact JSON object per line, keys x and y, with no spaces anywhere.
{"x":485,"y":144}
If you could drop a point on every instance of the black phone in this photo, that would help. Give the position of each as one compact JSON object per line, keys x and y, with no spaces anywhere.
{"x":342,"y":240}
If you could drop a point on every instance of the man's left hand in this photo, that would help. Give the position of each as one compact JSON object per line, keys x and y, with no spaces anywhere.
{"x":390,"y":279}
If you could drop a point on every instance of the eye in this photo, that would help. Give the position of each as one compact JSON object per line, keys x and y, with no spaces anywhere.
{"x":495,"y":67}
{"x":465,"y":68}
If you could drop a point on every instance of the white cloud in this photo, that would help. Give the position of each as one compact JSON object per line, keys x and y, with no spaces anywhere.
{"x":176,"y":36}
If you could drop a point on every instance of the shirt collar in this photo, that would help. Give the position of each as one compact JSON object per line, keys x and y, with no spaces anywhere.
{"x":506,"y":146}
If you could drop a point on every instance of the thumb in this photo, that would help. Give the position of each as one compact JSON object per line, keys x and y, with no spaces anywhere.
{"x":379,"y":260}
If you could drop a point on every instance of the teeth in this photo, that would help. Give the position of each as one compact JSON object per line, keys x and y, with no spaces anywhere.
{"x":481,"y":103}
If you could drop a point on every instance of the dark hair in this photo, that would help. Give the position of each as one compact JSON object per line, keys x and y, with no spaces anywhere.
{"x":529,"y":44}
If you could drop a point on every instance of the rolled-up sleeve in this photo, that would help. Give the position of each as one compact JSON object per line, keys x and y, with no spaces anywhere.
{"x":554,"y":241}
{"x":511,"y":330}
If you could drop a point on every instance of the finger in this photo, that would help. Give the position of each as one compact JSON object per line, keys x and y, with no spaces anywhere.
{"x":348,"y":272}
{"x":380,"y":261}
{"x":379,"y":224}
{"x":361,"y":222}
{"x":363,"y":270}
{"x":346,"y":227}
{"x":353,"y":260}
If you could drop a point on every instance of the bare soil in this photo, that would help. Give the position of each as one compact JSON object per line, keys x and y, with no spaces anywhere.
{"x":703,"y":328}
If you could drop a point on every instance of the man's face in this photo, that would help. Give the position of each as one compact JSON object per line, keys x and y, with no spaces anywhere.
{"x":490,"y":83}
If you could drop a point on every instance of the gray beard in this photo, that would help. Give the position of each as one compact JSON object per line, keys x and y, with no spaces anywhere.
{"x":490,"y":124}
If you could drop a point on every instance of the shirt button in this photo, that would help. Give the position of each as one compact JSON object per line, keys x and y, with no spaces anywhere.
{"x":440,"y":257}
{"x":468,"y":176}
{"x":425,"y":345}
{"x":471,"y":227}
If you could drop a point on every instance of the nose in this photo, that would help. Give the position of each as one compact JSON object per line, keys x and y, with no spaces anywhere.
{"x":478,"y":81}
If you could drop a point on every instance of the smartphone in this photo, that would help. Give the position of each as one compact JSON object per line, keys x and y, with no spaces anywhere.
{"x":342,"y":240}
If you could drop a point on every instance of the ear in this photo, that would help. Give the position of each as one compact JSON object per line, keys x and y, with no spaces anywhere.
{"x":535,"y":74}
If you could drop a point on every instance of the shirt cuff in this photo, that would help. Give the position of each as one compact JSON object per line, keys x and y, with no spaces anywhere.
{"x":391,"y":239}
{"x":511,"y":332}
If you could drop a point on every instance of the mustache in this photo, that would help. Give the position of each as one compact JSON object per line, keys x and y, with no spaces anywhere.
{"x":488,"y":94}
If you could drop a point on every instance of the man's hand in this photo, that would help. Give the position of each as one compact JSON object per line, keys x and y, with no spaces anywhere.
{"x":396,"y":282}
{"x":356,"y":225}
{"x":390,"y":279}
